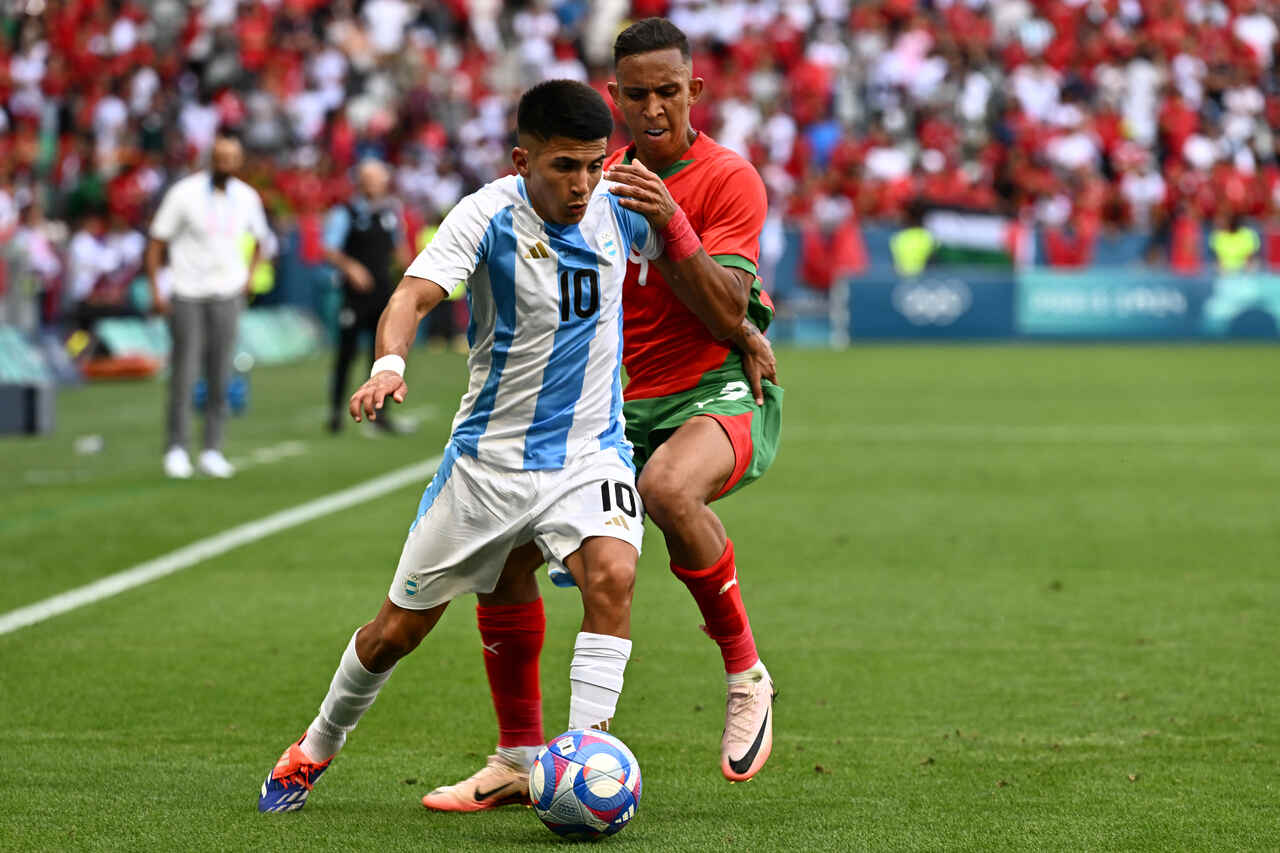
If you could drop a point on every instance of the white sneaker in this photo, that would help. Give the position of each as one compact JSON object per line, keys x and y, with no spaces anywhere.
{"x":213,"y":463}
{"x":177,"y":464}
{"x":748,"y":724}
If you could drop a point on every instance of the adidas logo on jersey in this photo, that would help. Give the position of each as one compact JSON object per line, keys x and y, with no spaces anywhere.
{"x":619,"y":521}
{"x":537,"y":251}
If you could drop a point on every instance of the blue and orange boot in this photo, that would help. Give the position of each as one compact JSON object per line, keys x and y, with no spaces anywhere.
{"x":290,"y":781}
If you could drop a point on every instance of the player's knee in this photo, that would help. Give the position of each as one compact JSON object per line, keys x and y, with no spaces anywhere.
{"x":611,"y":583}
{"x":666,"y":498}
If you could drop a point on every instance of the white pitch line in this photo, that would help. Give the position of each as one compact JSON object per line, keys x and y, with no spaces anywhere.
{"x":270,"y":454}
{"x":220,"y":543}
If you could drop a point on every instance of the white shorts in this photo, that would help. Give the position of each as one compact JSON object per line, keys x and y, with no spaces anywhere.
{"x":472,"y":515}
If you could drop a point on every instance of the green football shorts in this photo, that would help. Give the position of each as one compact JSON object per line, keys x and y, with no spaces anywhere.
{"x":725,"y":395}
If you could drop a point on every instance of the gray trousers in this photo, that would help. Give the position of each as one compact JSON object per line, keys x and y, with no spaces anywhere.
{"x":204,"y":334}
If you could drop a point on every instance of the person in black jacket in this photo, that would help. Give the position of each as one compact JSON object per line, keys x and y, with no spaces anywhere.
{"x":364,"y":238}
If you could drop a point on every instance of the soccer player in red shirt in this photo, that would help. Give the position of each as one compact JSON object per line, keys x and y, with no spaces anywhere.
{"x":701,"y":408}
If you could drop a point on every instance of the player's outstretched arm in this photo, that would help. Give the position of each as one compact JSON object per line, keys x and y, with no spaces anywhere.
{"x":717,"y":295}
{"x":412,"y":300}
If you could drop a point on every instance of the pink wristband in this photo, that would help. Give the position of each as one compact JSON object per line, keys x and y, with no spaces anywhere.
{"x":679,"y":237}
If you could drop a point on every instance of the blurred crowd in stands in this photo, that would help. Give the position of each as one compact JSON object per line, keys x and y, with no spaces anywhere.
{"x":1076,"y":118}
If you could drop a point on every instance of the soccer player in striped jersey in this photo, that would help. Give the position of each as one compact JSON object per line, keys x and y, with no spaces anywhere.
{"x":701,"y":407}
{"x":539,"y":435}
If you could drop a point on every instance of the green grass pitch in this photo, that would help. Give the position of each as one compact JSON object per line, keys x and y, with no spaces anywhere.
{"x":1015,"y":598}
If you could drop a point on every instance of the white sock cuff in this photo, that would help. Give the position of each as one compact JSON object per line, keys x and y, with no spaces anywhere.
{"x":355,"y":666}
{"x":586,"y":641}
{"x":600,"y":660}
{"x":519,"y":756}
{"x":352,"y":690}
{"x":755,"y":672}
{"x":595,"y":677}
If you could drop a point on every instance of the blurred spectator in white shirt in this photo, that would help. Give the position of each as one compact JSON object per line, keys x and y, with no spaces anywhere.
{"x":1258,"y":30}
{"x":1143,"y":81}
{"x":1144,"y":190}
{"x":386,"y":21}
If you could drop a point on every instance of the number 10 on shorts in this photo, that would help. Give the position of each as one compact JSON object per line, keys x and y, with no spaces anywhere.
{"x":613,"y":493}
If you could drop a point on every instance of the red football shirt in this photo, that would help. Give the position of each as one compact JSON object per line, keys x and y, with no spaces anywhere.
{"x":666,"y":349}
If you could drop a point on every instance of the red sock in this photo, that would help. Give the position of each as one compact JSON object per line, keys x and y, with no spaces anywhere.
{"x":512,"y":637}
{"x":716,"y":591}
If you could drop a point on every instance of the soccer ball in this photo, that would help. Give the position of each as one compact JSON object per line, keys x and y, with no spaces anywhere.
{"x":584,"y":784}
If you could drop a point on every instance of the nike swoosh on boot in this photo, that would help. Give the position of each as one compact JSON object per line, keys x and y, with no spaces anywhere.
{"x":481,"y":796}
{"x":743,"y":763}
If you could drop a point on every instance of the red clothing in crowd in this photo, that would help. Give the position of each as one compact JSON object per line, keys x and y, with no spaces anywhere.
{"x":1185,"y":244}
{"x":828,"y":256}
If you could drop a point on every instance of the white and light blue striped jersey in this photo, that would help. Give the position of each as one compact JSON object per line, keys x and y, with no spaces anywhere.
{"x":546,"y":323}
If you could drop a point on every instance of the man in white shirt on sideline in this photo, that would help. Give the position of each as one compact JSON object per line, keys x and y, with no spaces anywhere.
{"x":202,"y":222}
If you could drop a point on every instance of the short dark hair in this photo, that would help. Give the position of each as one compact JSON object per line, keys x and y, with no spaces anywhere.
{"x":564,"y":108}
{"x":229,"y":132}
{"x":647,"y":36}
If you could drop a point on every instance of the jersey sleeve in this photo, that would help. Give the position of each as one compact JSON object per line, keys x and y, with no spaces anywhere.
{"x":168,"y":219}
{"x":456,"y":249}
{"x":733,"y":218}
{"x":636,"y":230}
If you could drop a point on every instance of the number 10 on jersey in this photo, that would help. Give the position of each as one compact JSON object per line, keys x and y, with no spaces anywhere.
{"x":585,"y":298}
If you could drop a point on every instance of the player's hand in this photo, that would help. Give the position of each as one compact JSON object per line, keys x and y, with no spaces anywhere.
{"x":359,"y":276}
{"x":160,"y":304}
{"x":758,"y":361}
{"x":369,"y":398}
{"x":643,"y":191}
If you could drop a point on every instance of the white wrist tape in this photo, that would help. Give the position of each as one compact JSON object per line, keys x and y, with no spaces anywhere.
{"x":392,"y":362}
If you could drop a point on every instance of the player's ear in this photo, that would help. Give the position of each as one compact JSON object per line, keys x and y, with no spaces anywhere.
{"x":695,"y":89}
{"x":520,"y":159}
{"x":614,"y":94}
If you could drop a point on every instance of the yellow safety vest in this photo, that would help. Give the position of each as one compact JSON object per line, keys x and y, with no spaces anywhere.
{"x":911,"y":248}
{"x":1234,"y":248}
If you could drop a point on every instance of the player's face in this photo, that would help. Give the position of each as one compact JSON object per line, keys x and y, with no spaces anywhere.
{"x":654,"y":91}
{"x":560,"y":175}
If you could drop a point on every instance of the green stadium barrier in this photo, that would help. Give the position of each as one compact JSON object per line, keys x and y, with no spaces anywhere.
{"x":278,"y":335}
{"x":133,"y":336}
{"x":270,"y":335}
{"x":1245,"y":305}
{"x":1110,"y":303}
{"x":21,"y":363}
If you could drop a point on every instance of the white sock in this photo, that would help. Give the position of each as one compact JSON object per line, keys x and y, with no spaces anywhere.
{"x":351,"y":692}
{"x":756,"y":672}
{"x":520,"y":757}
{"x":595,"y":678}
